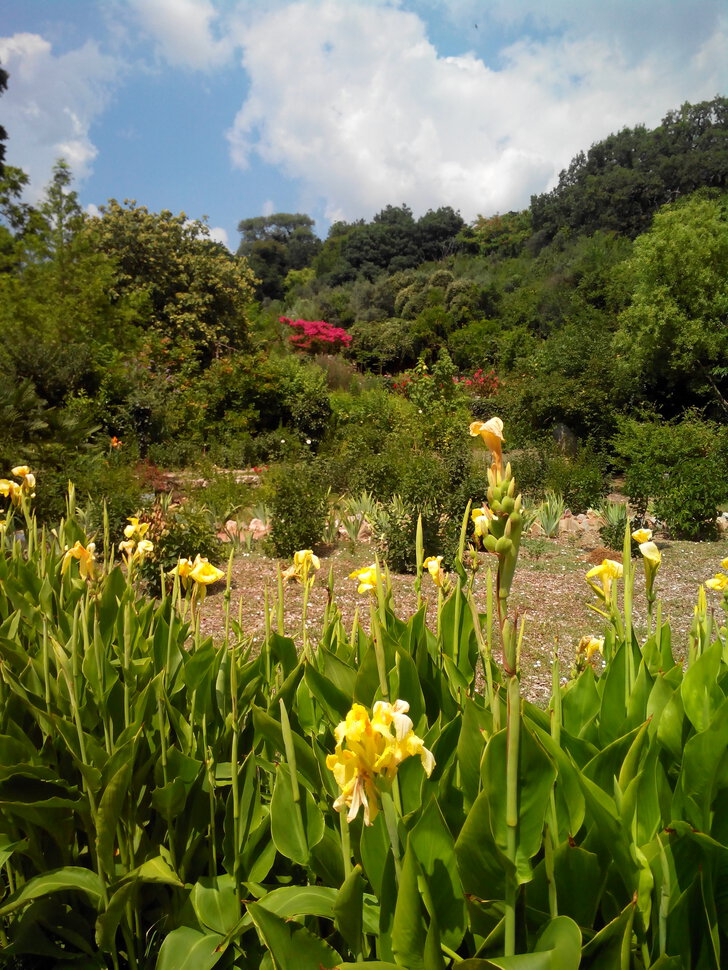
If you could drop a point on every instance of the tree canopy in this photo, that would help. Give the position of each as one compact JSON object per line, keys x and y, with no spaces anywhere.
{"x":623,"y":180}
{"x":188,"y":287}
{"x":673,"y":337}
{"x":274,"y":245}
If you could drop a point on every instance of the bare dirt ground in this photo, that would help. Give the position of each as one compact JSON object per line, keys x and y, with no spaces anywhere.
{"x":549,"y":590}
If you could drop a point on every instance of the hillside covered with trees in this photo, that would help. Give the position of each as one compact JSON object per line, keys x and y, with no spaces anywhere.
{"x":597,"y":318}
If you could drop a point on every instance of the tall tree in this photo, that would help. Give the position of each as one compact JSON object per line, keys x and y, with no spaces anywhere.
{"x":193,"y":289}
{"x":673,"y":337}
{"x":3,"y":133}
{"x":276,"y":244}
{"x":623,"y":180}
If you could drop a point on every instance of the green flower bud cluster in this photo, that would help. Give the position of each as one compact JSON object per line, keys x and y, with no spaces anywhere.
{"x":504,"y":529}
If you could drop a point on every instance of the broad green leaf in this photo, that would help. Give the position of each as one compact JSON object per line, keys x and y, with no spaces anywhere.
{"x":109,"y":814}
{"x":155,"y":870}
{"x":578,"y":878}
{"x":215,"y":903}
{"x":611,"y":945}
{"x":370,"y":965}
{"x":334,"y":702}
{"x":700,"y":692}
{"x":374,"y":845}
{"x":8,"y":847}
{"x":480,"y":863}
{"x":605,"y":766}
{"x":295,"y":826}
{"x":613,"y":710}
{"x":326,"y":859}
{"x":475,"y":725}
{"x":341,"y":674}
{"x":284,"y":651}
{"x":704,"y":771}
{"x":188,"y":949}
{"x":292,"y":945}
{"x":536,"y":775}
{"x":57,"y":880}
{"x":569,"y":798}
{"x":409,"y":930}
{"x":580,"y":705}
{"x":433,"y":845}
{"x":306,"y":763}
{"x":674,"y":726}
{"x":108,"y":922}
{"x":348,"y":909}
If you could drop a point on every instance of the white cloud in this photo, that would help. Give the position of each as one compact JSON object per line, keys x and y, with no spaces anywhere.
{"x":50,"y":105}
{"x":354,"y":101}
{"x":184,"y":31}
{"x":218,"y":234}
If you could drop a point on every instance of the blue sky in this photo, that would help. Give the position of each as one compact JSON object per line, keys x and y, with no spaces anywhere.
{"x":236,"y":108}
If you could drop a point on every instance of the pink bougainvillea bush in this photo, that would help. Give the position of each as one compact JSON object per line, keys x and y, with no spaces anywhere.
{"x":316,"y":336}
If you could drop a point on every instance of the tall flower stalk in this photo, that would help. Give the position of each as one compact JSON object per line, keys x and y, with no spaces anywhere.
{"x":499,"y":522}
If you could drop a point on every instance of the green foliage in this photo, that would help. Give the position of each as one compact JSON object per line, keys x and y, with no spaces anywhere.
{"x":672,"y":337}
{"x":682,"y":466}
{"x":297,"y":495}
{"x":548,"y":514}
{"x":188,"y":287}
{"x":196,"y":771}
{"x":178,"y":530}
{"x":616,"y":522}
{"x":622,"y":181}
{"x":279,"y":248}
{"x":581,"y":480}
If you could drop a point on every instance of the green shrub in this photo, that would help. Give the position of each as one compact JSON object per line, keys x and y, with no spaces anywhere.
{"x":297,"y":495}
{"x":616,"y":521}
{"x":682,"y":466}
{"x":179,"y":531}
{"x":581,"y":480}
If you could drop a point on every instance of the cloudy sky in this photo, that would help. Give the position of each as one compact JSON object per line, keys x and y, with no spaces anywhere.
{"x":237,"y":108}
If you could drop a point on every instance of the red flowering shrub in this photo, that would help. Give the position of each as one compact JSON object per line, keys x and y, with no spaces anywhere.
{"x":316,"y":336}
{"x":481,"y":384}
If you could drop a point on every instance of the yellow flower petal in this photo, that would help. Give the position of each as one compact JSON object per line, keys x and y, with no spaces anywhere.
{"x":642,"y":535}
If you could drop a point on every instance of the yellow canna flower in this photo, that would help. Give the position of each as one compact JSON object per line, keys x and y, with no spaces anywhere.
{"x":652,"y":558}
{"x":433,"y":565}
{"x":482,"y":518}
{"x":203,"y":572}
{"x":606,"y":571}
{"x":369,"y":749}
{"x":127,"y":546}
{"x":86,"y":556}
{"x":642,"y":535}
{"x":367,"y":578}
{"x":491,"y":432}
{"x":136,"y":529}
{"x":21,"y":471}
{"x":651,"y":553}
{"x":10,"y":490}
{"x":303,"y":562}
{"x":588,"y":646}
{"x":724,"y":563}
{"x":183,"y":569}
{"x":719,"y":582}
{"x":134,"y":549}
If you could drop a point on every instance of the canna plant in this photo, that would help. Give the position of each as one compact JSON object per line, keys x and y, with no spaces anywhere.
{"x":170,"y":802}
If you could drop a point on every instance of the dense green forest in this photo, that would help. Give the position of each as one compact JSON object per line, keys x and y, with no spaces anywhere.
{"x":595,"y":323}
